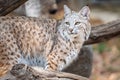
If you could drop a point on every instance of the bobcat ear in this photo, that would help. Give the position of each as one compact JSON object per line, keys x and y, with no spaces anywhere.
{"x":66,"y":10}
{"x":85,"y":12}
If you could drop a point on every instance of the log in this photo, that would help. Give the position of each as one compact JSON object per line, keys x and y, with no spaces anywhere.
{"x":24,"y":72}
{"x":7,"y":6}
{"x":104,"y":32}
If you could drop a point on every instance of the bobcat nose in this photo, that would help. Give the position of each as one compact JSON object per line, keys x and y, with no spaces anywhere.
{"x":71,"y":30}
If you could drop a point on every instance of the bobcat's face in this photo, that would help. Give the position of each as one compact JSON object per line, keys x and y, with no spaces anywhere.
{"x":73,"y":23}
{"x":76,"y":24}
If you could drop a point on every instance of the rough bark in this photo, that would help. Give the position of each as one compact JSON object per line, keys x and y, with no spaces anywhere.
{"x":24,"y":72}
{"x":6,"y":6}
{"x":104,"y":32}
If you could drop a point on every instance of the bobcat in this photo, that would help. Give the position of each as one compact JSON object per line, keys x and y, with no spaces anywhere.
{"x":38,"y":42}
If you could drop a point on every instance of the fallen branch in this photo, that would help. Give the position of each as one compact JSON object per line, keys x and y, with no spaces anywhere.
{"x":24,"y":72}
{"x":104,"y":32}
{"x":6,"y":6}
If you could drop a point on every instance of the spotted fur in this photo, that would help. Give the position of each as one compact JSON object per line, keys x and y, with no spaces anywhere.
{"x":39,"y":42}
{"x":71,"y":34}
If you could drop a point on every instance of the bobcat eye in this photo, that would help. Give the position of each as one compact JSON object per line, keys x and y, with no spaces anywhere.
{"x":67,"y":23}
{"x":77,"y":23}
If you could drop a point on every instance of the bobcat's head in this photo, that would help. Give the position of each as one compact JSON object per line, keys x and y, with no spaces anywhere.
{"x":76,"y":24}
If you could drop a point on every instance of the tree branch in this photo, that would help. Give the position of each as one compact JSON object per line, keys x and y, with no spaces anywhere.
{"x":24,"y":72}
{"x":104,"y":32}
{"x":6,"y":6}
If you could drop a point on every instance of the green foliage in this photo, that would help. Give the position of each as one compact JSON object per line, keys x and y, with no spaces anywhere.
{"x":101,"y":47}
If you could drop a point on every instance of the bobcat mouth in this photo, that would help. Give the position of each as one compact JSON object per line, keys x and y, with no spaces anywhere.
{"x":72,"y":32}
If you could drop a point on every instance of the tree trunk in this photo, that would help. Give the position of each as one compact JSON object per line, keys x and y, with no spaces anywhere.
{"x":6,"y":6}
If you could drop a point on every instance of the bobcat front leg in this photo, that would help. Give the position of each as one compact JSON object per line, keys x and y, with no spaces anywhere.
{"x":57,"y":60}
{"x":9,"y":52}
